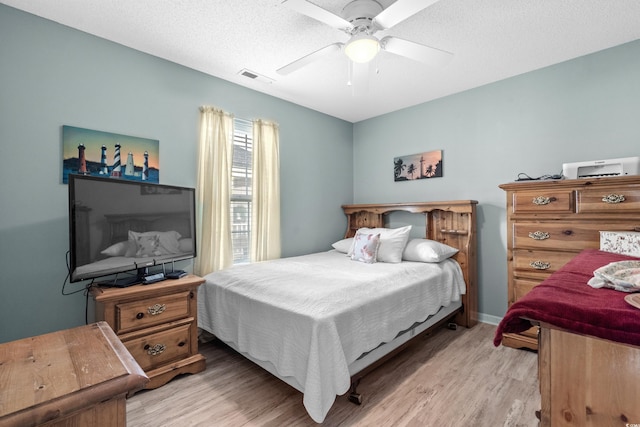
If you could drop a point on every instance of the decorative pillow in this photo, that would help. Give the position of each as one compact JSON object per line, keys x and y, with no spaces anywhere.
{"x":620,"y":275}
{"x":365,"y":248}
{"x":392,"y":242}
{"x":118,"y":249}
{"x":168,"y":242}
{"x":425,"y":250}
{"x":343,"y":245}
{"x":148,"y":245}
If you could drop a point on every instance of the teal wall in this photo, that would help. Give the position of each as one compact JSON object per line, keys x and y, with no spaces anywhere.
{"x":51,"y":75}
{"x":583,"y":109}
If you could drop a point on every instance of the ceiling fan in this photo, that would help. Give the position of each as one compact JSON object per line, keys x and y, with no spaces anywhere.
{"x":361,"y":19}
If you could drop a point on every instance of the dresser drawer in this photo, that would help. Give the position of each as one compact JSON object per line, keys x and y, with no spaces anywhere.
{"x":521,"y":287}
{"x":553,"y":235}
{"x":609,"y":200}
{"x":556,"y":201}
{"x":163,"y":347}
{"x":136,"y":315}
{"x":543,"y":263}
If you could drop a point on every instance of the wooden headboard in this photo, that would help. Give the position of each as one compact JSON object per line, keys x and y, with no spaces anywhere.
{"x":451,"y":222}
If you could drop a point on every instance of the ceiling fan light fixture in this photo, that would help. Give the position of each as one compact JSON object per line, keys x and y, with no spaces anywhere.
{"x":362,"y":48}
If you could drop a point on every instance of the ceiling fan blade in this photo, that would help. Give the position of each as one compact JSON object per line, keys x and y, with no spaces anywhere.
{"x":319,"y":14}
{"x":417,"y":52}
{"x":399,"y":11}
{"x":306,"y":60}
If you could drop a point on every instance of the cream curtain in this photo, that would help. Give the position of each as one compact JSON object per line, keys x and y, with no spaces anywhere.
{"x":213,"y":191}
{"x":265,"y":203}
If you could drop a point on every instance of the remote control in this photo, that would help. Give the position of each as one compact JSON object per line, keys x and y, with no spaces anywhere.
{"x":153,"y":278}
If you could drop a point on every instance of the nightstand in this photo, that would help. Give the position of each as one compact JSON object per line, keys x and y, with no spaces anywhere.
{"x":157,"y":324}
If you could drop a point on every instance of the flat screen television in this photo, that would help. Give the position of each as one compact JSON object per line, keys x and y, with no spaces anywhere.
{"x":121,"y":228}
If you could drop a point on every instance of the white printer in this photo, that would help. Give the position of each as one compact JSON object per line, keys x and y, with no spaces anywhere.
{"x":600,"y":168}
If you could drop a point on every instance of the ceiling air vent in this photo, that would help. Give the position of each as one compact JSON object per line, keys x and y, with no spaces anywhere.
{"x":255,"y":76}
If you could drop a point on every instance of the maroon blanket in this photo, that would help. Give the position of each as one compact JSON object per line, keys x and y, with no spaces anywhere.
{"x":566,"y":301}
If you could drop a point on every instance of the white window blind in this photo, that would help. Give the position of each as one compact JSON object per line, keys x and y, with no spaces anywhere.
{"x":241,"y":176}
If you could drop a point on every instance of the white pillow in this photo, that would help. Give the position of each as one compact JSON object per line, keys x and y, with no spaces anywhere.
{"x":185,"y":245}
{"x":118,"y":249}
{"x":343,"y":245}
{"x":425,"y":250}
{"x":365,"y":248}
{"x":167,"y":242}
{"x":392,"y":242}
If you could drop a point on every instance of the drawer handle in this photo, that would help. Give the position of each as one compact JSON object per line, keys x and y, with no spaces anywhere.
{"x":543,"y":200}
{"x":155,"y":350}
{"x":540,"y":265}
{"x":539,"y":235}
{"x":613,"y":198}
{"x":156,"y":309}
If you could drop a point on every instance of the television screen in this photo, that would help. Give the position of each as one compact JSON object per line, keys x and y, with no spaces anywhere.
{"x":118,"y":225}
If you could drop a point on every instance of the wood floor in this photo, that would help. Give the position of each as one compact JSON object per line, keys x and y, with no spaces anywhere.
{"x":452,"y":378}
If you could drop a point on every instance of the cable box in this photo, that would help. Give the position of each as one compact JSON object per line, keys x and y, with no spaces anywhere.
{"x":176,"y":274}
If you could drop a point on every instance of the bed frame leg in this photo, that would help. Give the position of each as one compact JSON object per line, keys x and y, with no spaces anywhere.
{"x":355,"y":397}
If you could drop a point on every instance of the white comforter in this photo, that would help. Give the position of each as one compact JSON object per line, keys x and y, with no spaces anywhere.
{"x":311,"y":316}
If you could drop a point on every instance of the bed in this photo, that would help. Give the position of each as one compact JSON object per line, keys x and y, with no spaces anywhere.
{"x":321,"y":321}
{"x":589,"y":344}
{"x":131,"y":241}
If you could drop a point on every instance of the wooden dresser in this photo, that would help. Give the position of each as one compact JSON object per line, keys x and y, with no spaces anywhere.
{"x":549,"y":222}
{"x":74,"y":377}
{"x":157,"y":324}
{"x":587,"y":381}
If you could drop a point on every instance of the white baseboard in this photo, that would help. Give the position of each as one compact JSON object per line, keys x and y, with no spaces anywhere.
{"x":487,"y":318}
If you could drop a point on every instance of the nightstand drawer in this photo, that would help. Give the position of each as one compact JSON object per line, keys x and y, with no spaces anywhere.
{"x":609,"y":200}
{"x":157,"y":349}
{"x":554,"y":235}
{"x":136,"y":315}
{"x":543,"y":201}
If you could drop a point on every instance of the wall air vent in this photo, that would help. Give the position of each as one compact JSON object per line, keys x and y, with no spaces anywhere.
{"x":255,"y":76}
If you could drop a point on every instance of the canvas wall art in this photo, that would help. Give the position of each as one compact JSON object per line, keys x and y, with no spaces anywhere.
{"x":418,"y":166}
{"x":93,"y":152}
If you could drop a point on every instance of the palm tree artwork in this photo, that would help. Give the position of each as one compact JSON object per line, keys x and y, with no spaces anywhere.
{"x":411,"y":170}
{"x":421,"y":166}
{"x":398,"y":167}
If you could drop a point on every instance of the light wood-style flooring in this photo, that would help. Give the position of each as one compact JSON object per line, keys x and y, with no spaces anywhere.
{"x":452,"y":378}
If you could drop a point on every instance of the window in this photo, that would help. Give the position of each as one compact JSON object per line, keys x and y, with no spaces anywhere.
{"x":241,"y":176}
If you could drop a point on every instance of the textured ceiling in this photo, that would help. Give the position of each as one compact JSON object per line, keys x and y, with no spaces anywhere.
{"x":491,"y":40}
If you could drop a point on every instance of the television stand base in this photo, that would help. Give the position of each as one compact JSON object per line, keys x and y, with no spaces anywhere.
{"x":126,"y":281}
{"x":123,"y":282}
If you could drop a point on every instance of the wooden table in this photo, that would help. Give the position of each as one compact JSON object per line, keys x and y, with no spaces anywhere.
{"x":78,"y":376}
